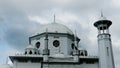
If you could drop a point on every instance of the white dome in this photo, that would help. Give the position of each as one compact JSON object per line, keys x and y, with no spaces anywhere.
{"x":5,"y":66}
{"x":54,"y":28}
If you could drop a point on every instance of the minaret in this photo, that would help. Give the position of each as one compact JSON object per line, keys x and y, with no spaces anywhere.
{"x":104,"y":43}
{"x":46,"y":50}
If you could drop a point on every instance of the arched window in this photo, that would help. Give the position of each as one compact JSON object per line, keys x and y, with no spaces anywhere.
{"x":25,"y":52}
{"x":86,"y":53}
{"x":72,"y":45}
{"x":82,"y":54}
{"x":35,"y":52}
{"x":37,"y":44}
{"x":30,"y":52}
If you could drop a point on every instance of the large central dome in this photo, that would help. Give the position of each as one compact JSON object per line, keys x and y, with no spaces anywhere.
{"x":55,"y":28}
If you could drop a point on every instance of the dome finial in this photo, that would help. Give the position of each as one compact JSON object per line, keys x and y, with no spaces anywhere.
{"x":102,"y":17}
{"x":75,"y":35}
{"x":102,"y":14}
{"x":54,"y":18}
{"x":46,"y":33}
{"x":75,"y":39}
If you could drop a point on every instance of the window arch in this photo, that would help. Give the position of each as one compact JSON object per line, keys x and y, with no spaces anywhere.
{"x":25,"y":52}
{"x":82,"y":54}
{"x":35,"y":52}
{"x":37,"y":44}
{"x":30,"y":52}
{"x":86,"y":53}
{"x":72,"y":45}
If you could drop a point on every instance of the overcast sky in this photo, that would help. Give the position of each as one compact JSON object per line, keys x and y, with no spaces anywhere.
{"x":19,"y":19}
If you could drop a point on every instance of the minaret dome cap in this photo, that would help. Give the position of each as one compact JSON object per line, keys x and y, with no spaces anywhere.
{"x":102,"y":23}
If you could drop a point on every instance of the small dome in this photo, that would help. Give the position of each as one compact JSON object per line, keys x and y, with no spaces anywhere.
{"x":31,"y":47}
{"x":31,"y":50}
{"x":55,"y":28}
{"x":5,"y":66}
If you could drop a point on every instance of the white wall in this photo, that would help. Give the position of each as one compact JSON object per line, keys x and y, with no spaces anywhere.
{"x":84,"y":65}
{"x":28,"y":65}
{"x":65,"y":44}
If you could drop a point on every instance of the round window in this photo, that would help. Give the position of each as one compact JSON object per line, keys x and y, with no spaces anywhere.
{"x":37,"y":44}
{"x":56,"y":43}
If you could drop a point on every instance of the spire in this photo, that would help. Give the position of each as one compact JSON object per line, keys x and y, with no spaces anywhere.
{"x":75,"y":39}
{"x":54,"y":18}
{"x":46,"y":37}
{"x":102,"y":17}
{"x":102,"y":14}
{"x":46,"y":50}
{"x":75,"y":34}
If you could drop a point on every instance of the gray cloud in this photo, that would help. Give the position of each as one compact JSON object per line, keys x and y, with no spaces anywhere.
{"x":16,"y":26}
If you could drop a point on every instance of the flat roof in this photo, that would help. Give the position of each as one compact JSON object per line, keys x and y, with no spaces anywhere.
{"x":39,"y":58}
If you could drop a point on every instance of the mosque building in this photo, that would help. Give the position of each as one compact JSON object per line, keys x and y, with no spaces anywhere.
{"x":56,"y":46}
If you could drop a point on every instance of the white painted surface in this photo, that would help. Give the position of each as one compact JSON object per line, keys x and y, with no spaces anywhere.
{"x":65,"y":44}
{"x":105,"y":51}
{"x":28,"y":65}
{"x":5,"y":66}
{"x":54,"y":27}
{"x":84,"y":65}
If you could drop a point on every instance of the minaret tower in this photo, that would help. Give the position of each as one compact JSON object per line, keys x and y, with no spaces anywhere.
{"x":104,"y":43}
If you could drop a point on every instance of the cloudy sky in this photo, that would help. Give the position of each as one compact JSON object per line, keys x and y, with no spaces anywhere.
{"x":19,"y":19}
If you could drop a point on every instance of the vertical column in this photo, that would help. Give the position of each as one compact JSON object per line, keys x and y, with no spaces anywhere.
{"x":45,"y":66}
{"x":15,"y":64}
{"x":46,"y":50}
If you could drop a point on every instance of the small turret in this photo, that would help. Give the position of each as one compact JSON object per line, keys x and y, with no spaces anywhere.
{"x":31,"y":50}
{"x":82,"y":52}
{"x":76,"y":51}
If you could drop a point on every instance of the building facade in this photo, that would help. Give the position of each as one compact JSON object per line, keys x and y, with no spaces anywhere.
{"x":56,"y":46}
